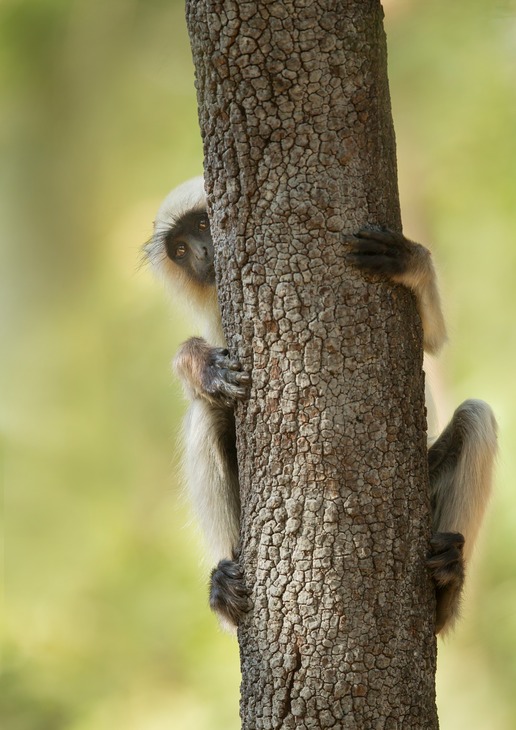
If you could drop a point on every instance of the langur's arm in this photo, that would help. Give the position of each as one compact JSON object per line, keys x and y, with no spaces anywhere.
{"x":210,"y":373}
{"x":395,"y":257}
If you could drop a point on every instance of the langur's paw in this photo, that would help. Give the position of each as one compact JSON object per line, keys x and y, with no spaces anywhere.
{"x":224,"y":380}
{"x":383,"y":252}
{"x":446,"y":565}
{"x":229,"y":598}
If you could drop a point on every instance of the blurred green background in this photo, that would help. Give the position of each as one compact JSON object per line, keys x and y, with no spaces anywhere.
{"x":106,"y":624}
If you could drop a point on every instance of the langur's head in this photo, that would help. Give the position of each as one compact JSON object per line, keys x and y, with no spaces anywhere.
{"x":181,"y":247}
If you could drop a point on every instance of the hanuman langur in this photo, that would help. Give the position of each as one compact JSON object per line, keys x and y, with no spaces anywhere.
{"x":460,"y":460}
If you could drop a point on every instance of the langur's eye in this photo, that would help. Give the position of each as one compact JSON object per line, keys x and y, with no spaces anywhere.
{"x":180,"y":251}
{"x":203,"y":224}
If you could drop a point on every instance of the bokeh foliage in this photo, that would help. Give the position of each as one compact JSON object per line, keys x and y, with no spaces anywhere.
{"x":106,"y":622}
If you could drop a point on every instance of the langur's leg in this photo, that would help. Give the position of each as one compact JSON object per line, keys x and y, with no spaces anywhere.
{"x":461,"y":464}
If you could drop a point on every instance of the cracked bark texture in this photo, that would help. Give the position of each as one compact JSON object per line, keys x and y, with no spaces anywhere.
{"x":299,"y":152}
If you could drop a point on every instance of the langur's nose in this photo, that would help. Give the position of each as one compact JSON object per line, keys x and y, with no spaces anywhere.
{"x":201,"y":253}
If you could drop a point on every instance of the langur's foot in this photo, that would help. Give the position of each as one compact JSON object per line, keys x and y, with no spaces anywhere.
{"x":446,"y":565}
{"x":229,"y":598}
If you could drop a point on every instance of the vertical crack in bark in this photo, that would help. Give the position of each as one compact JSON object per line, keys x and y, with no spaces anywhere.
{"x":290,"y":680}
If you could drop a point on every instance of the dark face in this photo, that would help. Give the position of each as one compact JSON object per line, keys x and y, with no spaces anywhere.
{"x":189,"y":245}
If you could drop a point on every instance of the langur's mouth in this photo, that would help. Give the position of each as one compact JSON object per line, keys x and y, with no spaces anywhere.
{"x":209,"y":275}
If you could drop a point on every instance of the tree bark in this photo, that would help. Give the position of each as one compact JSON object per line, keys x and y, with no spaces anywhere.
{"x":299,"y":152}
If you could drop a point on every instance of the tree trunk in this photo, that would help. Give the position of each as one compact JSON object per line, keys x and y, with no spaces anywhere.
{"x":300,"y":152}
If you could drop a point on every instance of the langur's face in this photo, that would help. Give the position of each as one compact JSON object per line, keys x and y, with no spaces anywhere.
{"x":189,"y":245}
